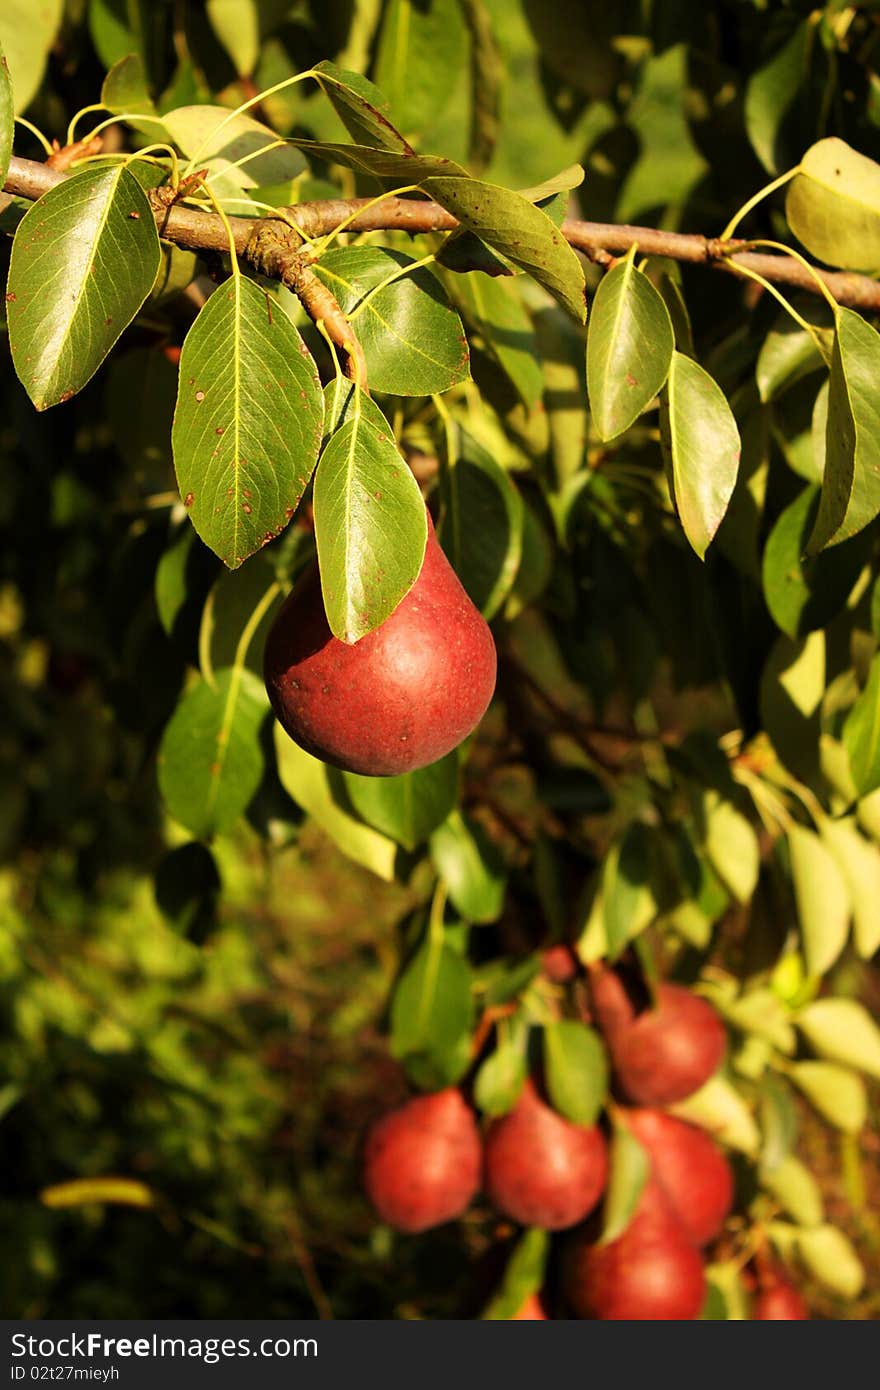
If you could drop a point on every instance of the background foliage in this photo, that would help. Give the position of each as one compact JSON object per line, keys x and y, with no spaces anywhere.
{"x":195,"y":975}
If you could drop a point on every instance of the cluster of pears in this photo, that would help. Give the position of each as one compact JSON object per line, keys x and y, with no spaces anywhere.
{"x":426,"y":1161}
{"x":398,"y":699}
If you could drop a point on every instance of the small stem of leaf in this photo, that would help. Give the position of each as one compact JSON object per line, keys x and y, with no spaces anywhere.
{"x":780,"y":297}
{"x":436,"y":931}
{"x":755,"y":199}
{"x":20,"y":120}
{"x":240,"y":110}
{"x":362,"y":208}
{"x":810,"y":269}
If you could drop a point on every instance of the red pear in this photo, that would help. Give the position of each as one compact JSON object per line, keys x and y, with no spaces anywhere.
{"x":400,"y":698}
{"x":422,"y":1161}
{"x":542,"y":1170}
{"x":652,"y":1272}
{"x":531,"y":1311}
{"x":664,"y":1053}
{"x":690,"y":1168}
{"x":780,"y":1301}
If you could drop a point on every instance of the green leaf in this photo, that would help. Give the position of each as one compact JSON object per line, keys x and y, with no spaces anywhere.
{"x":629,"y":348}
{"x":412,"y":337}
{"x":481,"y":530}
{"x":247,"y":427}
{"x":629,"y":1169}
{"x":788,"y":354}
{"x":382,"y":164}
{"x":803,"y":593}
{"x":859,"y":862}
{"x":493,"y":308}
{"x":843,"y":1031}
{"x":27,"y":32}
{"x":851,"y":485}
{"x":822,"y":899}
{"x":210,"y":759}
{"x":432,"y":1005}
{"x":833,"y":205}
{"x":771,"y":91}
{"x":718,"y":1107}
{"x":7,"y":119}
{"x":83,"y":261}
{"x":520,"y":231}
{"x":731,"y":845}
{"x":125,"y":89}
{"x":523,"y":1275}
{"x":830,"y":1258}
{"x":407,"y":808}
{"x":576,"y":1070}
{"x":837,"y":1093}
{"x":469,"y":864}
{"x":229,"y":610}
{"x":796,"y":1190}
{"x":629,"y":904}
{"x":701,"y":448}
{"x":361,"y":107}
{"x":861,"y":734}
{"x":238,"y":151}
{"x":501,"y":1077}
{"x":311,"y":784}
{"x":420,"y":54}
{"x":370,"y":527}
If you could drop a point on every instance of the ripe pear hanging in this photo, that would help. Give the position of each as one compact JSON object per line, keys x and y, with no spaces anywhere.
{"x":422,"y":1161}
{"x":651,"y":1272}
{"x":541,"y":1169}
{"x":664,"y":1053}
{"x":400,"y":698}
{"x":690,"y":1168}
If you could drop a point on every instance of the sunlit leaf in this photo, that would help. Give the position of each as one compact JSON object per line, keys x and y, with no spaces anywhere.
{"x":83,"y":261}
{"x":629,"y":348}
{"x":370,"y":528}
{"x":362,"y":108}
{"x":27,"y":32}
{"x":412,"y":337}
{"x":247,"y":427}
{"x":833,"y":205}
{"x":701,"y":447}
{"x":522,"y":232}
{"x":408,"y":807}
{"x":575,"y":1070}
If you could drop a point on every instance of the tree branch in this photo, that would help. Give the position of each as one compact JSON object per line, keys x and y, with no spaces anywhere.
{"x":202,"y":231}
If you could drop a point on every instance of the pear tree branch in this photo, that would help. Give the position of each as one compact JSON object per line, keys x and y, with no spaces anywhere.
{"x":202,"y":231}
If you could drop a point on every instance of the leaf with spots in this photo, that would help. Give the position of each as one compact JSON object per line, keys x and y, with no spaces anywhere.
{"x":413,"y":339}
{"x":520,"y":231}
{"x":247,"y":428}
{"x":701,"y":449}
{"x":361,"y":106}
{"x":370,"y":527}
{"x":629,"y":348}
{"x":210,"y":759}
{"x":84,"y":259}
